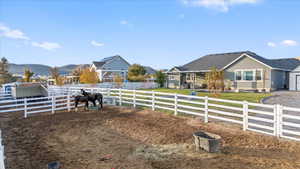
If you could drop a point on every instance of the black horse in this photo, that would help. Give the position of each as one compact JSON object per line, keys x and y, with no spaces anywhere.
{"x":89,"y":97}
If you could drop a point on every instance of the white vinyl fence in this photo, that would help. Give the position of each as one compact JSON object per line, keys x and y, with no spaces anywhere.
{"x":125,"y":85}
{"x":274,"y":120}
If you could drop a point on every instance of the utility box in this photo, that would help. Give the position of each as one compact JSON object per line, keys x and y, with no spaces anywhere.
{"x":207,"y":141}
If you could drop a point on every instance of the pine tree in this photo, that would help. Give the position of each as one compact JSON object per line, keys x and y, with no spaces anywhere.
{"x":160,"y":78}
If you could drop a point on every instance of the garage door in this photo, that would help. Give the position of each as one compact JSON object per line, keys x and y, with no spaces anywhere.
{"x":298,"y":82}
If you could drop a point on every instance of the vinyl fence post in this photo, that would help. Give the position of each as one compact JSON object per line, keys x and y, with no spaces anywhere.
{"x":108,"y":93}
{"x":275,"y":120}
{"x":245,"y":115}
{"x":175,"y":104}
{"x":25,"y":107}
{"x":69,"y":102}
{"x":53,"y":104}
{"x":134,"y":98}
{"x":120,"y":97}
{"x":153,"y":101}
{"x":206,"y":109}
{"x":279,"y":120}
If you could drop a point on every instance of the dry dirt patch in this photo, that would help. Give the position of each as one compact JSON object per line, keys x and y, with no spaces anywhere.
{"x":123,"y":138}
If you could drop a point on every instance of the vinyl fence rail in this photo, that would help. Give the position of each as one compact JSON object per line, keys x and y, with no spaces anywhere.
{"x":276,"y":120}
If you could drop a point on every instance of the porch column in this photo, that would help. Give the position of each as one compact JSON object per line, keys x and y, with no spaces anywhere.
{"x":100,"y":75}
{"x":180,"y":80}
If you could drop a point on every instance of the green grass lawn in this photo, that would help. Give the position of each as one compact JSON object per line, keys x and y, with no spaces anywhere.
{"x":250,"y":97}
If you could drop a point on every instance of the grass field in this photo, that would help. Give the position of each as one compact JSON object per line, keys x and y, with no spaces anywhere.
{"x":250,"y":97}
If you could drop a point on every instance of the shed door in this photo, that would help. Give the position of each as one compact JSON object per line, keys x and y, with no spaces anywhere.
{"x":298,"y":82}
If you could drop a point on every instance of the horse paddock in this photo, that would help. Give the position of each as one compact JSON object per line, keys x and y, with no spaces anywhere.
{"x":125,"y":138}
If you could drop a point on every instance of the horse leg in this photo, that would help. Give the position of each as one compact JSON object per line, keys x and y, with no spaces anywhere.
{"x":76,"y":104}
{"x":101,"y":102}
{"x":94,"y":102}
{"x":87,"y":105}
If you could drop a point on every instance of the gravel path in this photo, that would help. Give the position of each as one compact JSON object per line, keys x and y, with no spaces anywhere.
{"x":286,"y":98}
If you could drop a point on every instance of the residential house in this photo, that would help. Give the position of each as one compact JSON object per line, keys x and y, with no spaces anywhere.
{"x":295,"y":78}
{"x":242,"y":71}
{"x":108,"y":67}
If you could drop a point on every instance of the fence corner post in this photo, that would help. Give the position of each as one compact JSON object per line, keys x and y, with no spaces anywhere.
{"x":206,"y":109}
{"x":25,"y":107}
{"x":69,"y":102}
{"x":175,"y":104}
{"x":120,"y":97}
{"x":134,"y":98}
{"x":153,"y":100}
{"x":53,"y":104}
{"x":245,"y":115}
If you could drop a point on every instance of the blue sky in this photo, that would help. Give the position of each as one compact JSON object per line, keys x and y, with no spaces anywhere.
{"x":158,"y":33}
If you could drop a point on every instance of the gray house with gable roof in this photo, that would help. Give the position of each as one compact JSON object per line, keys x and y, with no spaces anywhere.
{"x":108,"y":67}
{"x":243,"y":71}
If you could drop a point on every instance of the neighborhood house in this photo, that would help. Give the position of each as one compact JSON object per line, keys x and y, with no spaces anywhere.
{"x":242,"y":71}
{"x":110,"y":67}
{"x":295,"y":79}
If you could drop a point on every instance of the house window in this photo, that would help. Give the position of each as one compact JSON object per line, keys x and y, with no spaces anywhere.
{"x":238,"y":75}
{"x":248,"y":75}
{"x":258,"y":75}
{"x":188,"y":76}
{"x":171,"y":77}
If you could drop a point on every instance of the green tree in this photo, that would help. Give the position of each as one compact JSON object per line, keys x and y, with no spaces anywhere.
{"x":136,"y":73}
{"x":27,"y":75}
{"x":160,"y":78}
{"x":5,"y":76}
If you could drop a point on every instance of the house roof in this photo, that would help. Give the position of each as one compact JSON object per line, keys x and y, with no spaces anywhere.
{"x":149,"y":70}
{"x":101,"y":63}
{"x":223,"y":60}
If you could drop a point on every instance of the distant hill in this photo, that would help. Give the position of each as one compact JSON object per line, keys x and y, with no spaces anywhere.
{"x":39,"y":69}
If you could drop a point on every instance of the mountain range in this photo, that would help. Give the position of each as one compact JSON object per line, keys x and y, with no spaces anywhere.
{"x":40,"y":69}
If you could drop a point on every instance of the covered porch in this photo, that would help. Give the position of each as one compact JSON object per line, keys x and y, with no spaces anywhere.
{"x":109,"y":75}
{"x":186,"y":80}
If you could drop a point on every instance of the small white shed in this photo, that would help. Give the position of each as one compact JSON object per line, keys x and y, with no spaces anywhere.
{"x":295,"y":79}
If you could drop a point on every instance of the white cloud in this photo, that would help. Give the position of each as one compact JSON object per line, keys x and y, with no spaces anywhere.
{"x":124,"y":22}
{"x":95,"y":43}
{"x":289,"y":43}
{"x":271,"y":44}
{"x":12,"y":33}
{"x":220,"y":5}
{"x":46,"y":45}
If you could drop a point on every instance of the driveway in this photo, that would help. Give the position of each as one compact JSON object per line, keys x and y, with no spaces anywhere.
{"x":285,"y":98}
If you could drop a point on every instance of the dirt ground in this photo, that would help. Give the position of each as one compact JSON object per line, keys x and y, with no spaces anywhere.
{"x":123,"y":138}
